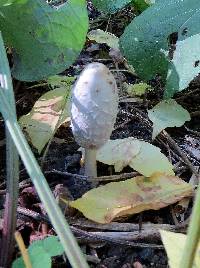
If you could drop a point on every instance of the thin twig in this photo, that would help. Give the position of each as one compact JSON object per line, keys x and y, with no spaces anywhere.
{"x":23,"y":250}
{"x":100,"y":178}
{"x":95,"y":237}
{"x":181,"y":153}
{"x":125,"y":227}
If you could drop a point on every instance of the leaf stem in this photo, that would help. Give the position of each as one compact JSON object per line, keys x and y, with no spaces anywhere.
{"x":12,"y":168}
{"x":58,"y":221}
{"x":193,"y":235}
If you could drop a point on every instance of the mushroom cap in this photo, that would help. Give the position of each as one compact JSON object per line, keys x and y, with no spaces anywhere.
{"x":94,"y":106}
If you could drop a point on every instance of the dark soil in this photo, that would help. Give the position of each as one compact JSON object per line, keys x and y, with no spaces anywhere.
{"x":63,"y":156}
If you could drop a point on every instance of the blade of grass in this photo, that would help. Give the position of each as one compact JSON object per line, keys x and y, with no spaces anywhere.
{"x":193,"y":235}
{"x":12,"y":168}
{"x":64,"y":233}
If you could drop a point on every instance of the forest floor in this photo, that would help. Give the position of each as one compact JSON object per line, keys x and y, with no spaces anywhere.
{"x":105,"y":245}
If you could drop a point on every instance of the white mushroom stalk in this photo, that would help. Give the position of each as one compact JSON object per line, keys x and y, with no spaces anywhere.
{"x":93,"y":111}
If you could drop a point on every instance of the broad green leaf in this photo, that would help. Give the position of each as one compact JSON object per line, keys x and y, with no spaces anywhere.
{"x":51,"y":109}
{"x":38,"y":257}
{"x":40,"y":253}
{"x":167,"y":114}
{"x":45,"y":40}
{"x":110,"y":6}
{"x":145,"y":43}
{"x":104,"y":38}
{"x":141,"y":5}
{"x":18,"y":263}
{"x":140,"y":155}
{"x":137,"y":89}
{"x":105,"y":203}
{"x":50,"y":244}
{"x":10,"y":2}
{"x":174,"y":244}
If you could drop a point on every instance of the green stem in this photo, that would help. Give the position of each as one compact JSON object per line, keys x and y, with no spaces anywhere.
{"x":12,"y":168}
{"x":193,"y":235}
{"x":64,"y":233}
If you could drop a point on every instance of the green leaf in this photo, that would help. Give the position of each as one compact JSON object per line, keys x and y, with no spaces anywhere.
{"x":147,"y":45}
{"x":45,"y":40}
{"x":40,"y":253}
{"x":50,"y":244}
{"x":174,"y":244}
{"x":104,"y":37}
{"x":110,"y":6}
{"x":48,"y":113}
{"x":141,"y":5}
{"x":167,"y":114}
{"x":38,"y":257}
{"x":105,"y":203}
{"x":18,"y":263}
{"x":140,"y":155}
{"x":137,"y":89}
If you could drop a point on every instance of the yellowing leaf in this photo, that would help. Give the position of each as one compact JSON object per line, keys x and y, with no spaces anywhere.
{"x":151,"y":160}
{"x":119,"y":152}
{"x":41,"y":122}
{"x":102,"y":37}
{"x":137,"y":89}
{"x":174,"y":244}
{"x":167,"y":113}
{"x":140,"y":155}
{"x":105,"y":203}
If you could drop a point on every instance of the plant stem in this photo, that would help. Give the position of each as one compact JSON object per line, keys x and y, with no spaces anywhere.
{"x":90,"y":162}
{"x":193,"y":235}
{"x":65,"y":235}
{"x":12,"y":168}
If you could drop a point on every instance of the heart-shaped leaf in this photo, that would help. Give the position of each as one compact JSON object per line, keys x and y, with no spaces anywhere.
{"x":167,"y":114}
{"x":45,"y":40}
{"x":164,"y":40}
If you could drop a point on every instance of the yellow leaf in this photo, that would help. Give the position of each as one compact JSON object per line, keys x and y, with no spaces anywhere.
{"x":105,"y":203}
{"x":40,"y":123}
{"x":102,"y":37}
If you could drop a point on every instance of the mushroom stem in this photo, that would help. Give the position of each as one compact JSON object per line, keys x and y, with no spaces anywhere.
{"x":90,"y":162}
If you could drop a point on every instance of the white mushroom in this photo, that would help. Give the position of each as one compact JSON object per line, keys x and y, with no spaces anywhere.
{"x":93,"y":111}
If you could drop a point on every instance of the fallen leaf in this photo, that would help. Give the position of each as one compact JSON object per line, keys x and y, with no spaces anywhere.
{"x":174,"y":244}
{"x":105,"y":203}
{"x":151,"y":160}
{"x":167,"y":113}
{"x":40,"y":123}
{"x":140,"y":155}
{"x":102,"y":37}
{"x":119,"y":152}
{"x":137,"y":89}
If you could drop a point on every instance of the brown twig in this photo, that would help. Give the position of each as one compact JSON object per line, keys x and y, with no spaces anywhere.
{"x":100,"y":178}
{"x":125,"y":227}
{"x":91,"y":237}
{"x":181,"y":153}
